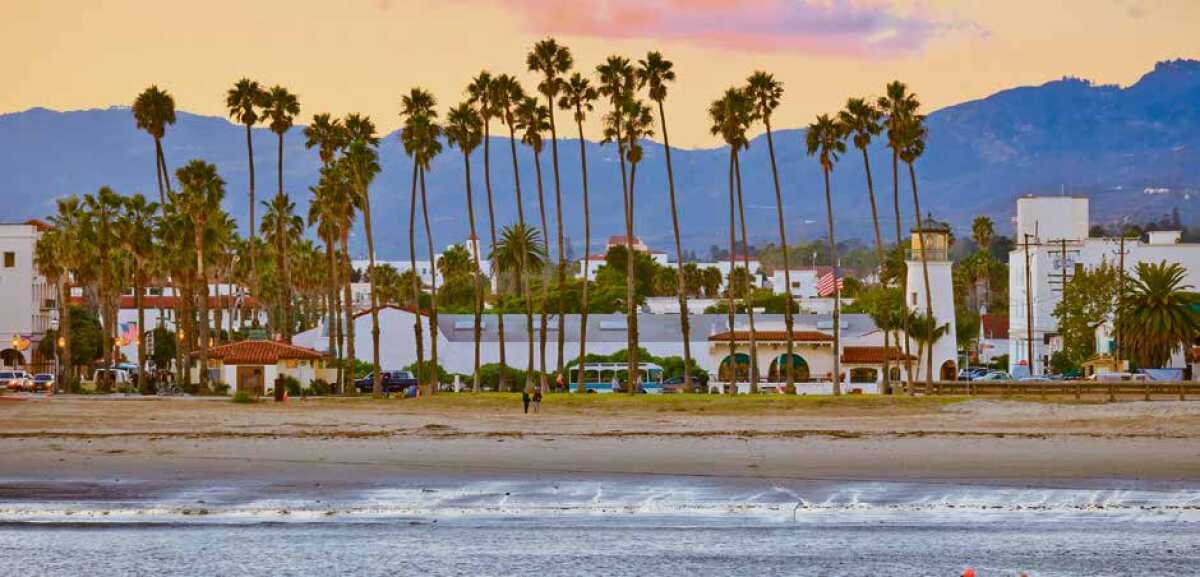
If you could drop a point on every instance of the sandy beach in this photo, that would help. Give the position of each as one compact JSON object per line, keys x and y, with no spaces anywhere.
{"x":358,"y":440}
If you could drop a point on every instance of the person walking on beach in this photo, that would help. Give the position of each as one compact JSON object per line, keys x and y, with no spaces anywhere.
{"x":537,"y":401}
{"x":525,"y":398}
{"x":558,"y":383}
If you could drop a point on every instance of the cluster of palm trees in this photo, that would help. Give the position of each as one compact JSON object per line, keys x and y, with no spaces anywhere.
{"x":633,"y":96}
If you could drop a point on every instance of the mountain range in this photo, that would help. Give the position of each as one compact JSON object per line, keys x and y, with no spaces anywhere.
{"x":1135,"y":150}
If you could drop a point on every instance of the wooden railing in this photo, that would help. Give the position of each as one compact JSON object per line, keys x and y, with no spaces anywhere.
{"x":1147,"y":390}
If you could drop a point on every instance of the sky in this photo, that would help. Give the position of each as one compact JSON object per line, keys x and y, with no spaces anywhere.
{"x":343,"y":56}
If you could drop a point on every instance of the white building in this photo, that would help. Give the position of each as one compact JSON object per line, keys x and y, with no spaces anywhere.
{"x":1056,"y":230}
{"x":28,"y":300}
{"x":425,"y":269}
{"x":934,"y":240}
{"x":596,"y":261}
{"x":804,"y":282}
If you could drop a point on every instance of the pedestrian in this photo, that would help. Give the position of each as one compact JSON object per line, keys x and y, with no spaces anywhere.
{"x":559,"y":384}
{"x":537,"y":401}
{"x":525,"y":398}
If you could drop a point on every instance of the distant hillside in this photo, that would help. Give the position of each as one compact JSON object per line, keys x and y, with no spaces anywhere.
{"x":1069,"y":136}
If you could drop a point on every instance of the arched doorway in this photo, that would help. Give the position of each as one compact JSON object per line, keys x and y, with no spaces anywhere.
{"x":778,"y":370}
{"x":864,"y":375}
{"x":11,"y":358}
{"x":742,"y":365}
{"x":948,"y":372}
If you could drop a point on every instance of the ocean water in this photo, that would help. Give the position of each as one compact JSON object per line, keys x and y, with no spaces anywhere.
{"x":552,"y":527}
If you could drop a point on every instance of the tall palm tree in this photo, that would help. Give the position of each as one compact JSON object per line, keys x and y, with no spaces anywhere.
{"x":533,"y":121}
{"x":912,"y":146}
{"x":153,"y":111}
{"x":825,"y":140}
{"x":730,"y":116}
{"x":506,"y":94}
{"x":479,"y":93}
{"x":554,"y":61}
{"x":897,"y":105}
{"x":464,"y":130}
{"x":578,"y":96}
{"x":328,"y":136}
{"x":421,"y":135}
{"x":102,"y":210}
{"x":1158,"y":314}
{"x":765,"y":92}
{"x":136,"y":230}
{"x":863,"y":121}
{"x":655,"y":72}
{"x":362,"y":160}
{"x":520,"y":252}
{"x":200,"y":196}
{"x":280,"y":219}
{"x":244,"y":102}
{"x":50,"y":254}
{"x":331,"y":197}
{"x":927,"y":332}
{"x":281,"y":109}
{"x":617,"y":82}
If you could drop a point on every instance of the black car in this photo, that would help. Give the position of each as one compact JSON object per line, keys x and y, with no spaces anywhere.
{"x":393,"y":382}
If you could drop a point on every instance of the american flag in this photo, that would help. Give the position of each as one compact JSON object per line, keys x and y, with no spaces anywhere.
{"x":826,"y":285}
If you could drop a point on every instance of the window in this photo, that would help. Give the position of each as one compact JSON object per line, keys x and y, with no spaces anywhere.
{"x":10,"y":259}
{"x":914,"y":299}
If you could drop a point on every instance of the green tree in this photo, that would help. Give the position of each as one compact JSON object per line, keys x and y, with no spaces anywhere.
{"x":420,"y":135}
{"x":361,"y":159}
{"x":200,"y":195}
{"x":520,"y":253}
{"x":464,"y":130}
{"x":245,"y":101}
{"x":1157,"y":314}
{"x":153,"y":111}
{"x":926,"y":332}
{"x":898,"y":105}
{"x":136,"y":227}
{"x":281,"y":108}
{"x":824,"y":139}
{"x":1089,"y":299}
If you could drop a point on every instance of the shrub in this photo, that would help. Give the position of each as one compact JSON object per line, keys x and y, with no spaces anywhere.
{"x":319,"y":387}
{"x":291,"y":385}
{"x":220,"y":388}
{"x":244,"y":397}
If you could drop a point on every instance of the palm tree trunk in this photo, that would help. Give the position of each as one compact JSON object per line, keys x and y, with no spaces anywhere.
{"x":487,"y":183}
{"x":879,"y":256}
{"x":202,"y":304}
{"x":729,"y":284}
{"x":912,"y":173}
{"x":908,"y":367}
{"x":331,"y":293}
{"x":418,"y":331}
{"x":475,"y":270}
{"x":347,"y":334}
{"x":580,"y":385}
{"x":253,"y":245}
{"x":680,"y":281}
{"x":524,"y":278}
{"x":749,"y":299}
{"x":635,"y":372}
{"x":138,"y":289}
{"x":787,"y":267}
{"x":837,"y":349}
{"x":64,"y":327}
{"x":283,"y":257}
{"x":434,"y":378}
{"x":537,"y":163}
{"x":377,"y":382}
{"x":158,"y":173}
{"x":562,"y":263}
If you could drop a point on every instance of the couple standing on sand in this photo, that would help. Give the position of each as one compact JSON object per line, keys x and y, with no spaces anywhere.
{"x":532,"y":395}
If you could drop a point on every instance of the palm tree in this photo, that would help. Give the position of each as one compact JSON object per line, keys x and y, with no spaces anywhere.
{"x":927,"y":332}
{"x":244,"y":101}
{"x":200,"y":196}
{"x":1157,"y":315}
{"x":554,"y":61}
{"x":420,"y":135}
{"x":281,"y":109}
{"x":464,"y":130}
{"x":280,"y":220}
{"x":533,"y":120}
{"x":578,"y":96}
{"x":51,"y":255}
{"x":656,"y":72}
{"x":506,"y":95}
{"x":730,"y":115}
{"x":863,"y":122}
{"x":136,"y":230}
{"x":617,"y":83}
{"x":153,"y":111}
{"x":101,"y":212}
{"x":362,"y":160}
{"x":480,"y":94}
{"x":898,"y":105}
{"x":912,"y":146}
{"x":520,"y":252}
{"x":331,"y":198}
{"x":329,"y":136}
{"x":825,"y":140}
{"x":982,"y":231}
{"x":765,"y":92}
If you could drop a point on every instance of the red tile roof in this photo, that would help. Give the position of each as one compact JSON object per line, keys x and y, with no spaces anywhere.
{"x":809,"y":336}
{"x":168,"y":302}
{"x":873,"y":355}
{"x":260,"y":353}
{"x":994,"y":326}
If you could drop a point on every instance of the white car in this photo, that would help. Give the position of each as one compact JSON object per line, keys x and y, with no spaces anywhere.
{"x":16,"y":380}
{"x":993,"y":376}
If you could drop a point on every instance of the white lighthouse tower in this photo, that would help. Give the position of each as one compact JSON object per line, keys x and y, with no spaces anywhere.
{"x":933,"y":241}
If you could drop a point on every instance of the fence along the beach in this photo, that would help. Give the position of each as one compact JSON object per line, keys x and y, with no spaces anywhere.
{"x":1147,"y":389}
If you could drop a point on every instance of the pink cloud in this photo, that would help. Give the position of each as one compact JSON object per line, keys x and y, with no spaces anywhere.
{"x":847,"y":27}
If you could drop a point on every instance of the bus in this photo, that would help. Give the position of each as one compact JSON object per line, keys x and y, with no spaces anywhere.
{"x":600,"y":377}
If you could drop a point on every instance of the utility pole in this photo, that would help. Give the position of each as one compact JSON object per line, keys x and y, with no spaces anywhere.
{"x":1120,"y":299}
{"x":1028,"y":309}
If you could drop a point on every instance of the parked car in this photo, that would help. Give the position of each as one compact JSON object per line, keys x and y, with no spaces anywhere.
{"x":992,"y":376}
{"x":675,"y":384}
{"x":16,"y":380}
{"x":43,"y":381}
{"x":972,"y":373}
{"x":393,"y":382}
{"x":117,"y":377}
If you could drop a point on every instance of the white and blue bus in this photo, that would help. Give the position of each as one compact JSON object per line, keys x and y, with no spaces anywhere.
{"x":608,"y":377}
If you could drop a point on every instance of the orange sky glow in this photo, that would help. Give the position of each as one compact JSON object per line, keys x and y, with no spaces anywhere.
{"x":361,"y":55}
